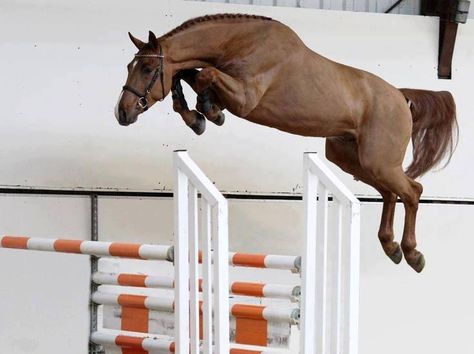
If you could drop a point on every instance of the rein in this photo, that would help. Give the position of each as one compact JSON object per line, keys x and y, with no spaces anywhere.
{"x":142,"y":98}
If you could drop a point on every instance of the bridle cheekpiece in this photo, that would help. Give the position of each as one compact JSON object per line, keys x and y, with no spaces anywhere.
{"x":142,"y":98}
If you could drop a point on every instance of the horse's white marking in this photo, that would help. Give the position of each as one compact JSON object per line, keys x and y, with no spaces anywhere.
{"x":116,"y":110}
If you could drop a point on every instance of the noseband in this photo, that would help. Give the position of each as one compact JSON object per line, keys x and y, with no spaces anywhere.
{"x":142,"y":98}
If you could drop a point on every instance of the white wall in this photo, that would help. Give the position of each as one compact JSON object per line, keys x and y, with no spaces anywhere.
{"x":63,"y":64}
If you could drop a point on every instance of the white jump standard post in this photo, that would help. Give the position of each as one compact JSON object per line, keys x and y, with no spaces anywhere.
{"x":189,"y":180}
{"x":337,"y":334}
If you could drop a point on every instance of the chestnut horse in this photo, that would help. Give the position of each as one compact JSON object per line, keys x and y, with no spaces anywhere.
{"x":260,"y":70}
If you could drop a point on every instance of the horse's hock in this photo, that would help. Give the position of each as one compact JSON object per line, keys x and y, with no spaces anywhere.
{"x":199,"y":309}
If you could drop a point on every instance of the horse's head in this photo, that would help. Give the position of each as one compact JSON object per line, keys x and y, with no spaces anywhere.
{"x":148,"y":80}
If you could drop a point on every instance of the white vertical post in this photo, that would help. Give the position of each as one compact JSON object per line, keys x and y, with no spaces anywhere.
{"x":308,"y":280}
{"x":181,"y":253}
{"x":220,"y":243}
{"x":194,"y":270}
{"x":352,"y":298}
{"x":336,"y":322}
{"x":344,"y":281}
{"x":215,"y":233}
{"x":206,"y":276}
{"x":321,"y":270}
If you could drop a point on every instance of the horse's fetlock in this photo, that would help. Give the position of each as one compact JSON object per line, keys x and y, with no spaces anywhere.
{"x":385,"y":236}
{"x":408,"y":246}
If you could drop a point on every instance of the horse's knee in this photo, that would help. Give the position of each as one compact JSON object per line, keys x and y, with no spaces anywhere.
{"x":205,"y":78}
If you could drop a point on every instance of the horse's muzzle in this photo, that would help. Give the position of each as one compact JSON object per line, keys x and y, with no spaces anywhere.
{"x":124,"y":120}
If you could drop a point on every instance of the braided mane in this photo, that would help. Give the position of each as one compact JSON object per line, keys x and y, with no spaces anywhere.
{"x":217,"y":17}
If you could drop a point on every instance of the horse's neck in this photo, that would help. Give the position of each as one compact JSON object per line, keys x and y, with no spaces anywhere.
{"x":199,"y":46}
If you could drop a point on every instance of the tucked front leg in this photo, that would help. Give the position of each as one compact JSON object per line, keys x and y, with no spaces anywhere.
{"x":210,"y":110}
{"x":238,"y":98}
{"x":207,"y":101}
{"x":193,"y":119}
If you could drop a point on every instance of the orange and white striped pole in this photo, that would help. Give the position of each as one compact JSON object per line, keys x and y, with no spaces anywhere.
{"x":290,"y":292}
{"x":93,"y":248}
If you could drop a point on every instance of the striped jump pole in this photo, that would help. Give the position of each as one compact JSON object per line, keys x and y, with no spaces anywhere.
{"x":143,"y":251}
{"x":277,"y":313}
{"x":143,"y":343}
{"x":276,"y":291}
{"x":267,"y":261}
{"x":91,"y":248}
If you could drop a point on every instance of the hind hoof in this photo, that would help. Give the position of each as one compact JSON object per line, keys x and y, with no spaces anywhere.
{"x":220,"y":119}
{"x":418,"y":264}
{"x":397,"y":255}
{"x":199,"y":125}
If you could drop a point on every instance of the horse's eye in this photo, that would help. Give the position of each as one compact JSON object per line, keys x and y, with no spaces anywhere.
{"x":147,"y":70}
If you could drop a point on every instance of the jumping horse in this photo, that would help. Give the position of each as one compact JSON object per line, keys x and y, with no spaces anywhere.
{"x":260,"y":70}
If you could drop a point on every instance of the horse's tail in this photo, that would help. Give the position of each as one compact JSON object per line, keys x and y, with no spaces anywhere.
{"x":435,"y":129}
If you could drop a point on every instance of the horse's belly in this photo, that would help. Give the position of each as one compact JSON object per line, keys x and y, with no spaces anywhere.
{"x":306,"y":120}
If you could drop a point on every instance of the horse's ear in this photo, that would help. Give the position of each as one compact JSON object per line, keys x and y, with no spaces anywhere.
{"x":152,"y":40}
{"x":138,"y":43}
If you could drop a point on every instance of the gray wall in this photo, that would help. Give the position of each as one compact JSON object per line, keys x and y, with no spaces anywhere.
{"x":407,"y":7}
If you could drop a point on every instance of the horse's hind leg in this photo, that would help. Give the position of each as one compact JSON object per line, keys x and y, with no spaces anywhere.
{"x":382,"y":157}
{"x":344,"y":153}
{"x":207,"y":101}
{"x":409,"y":192}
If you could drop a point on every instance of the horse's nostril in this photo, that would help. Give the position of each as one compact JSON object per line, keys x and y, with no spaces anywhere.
{"x":122,"y":117}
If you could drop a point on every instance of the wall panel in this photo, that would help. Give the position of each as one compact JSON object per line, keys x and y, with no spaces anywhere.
{"x":63,"y":76}
{"x":407,"y":7}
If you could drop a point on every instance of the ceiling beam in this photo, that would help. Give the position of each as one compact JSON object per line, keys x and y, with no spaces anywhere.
{"x":447,"y":38}
{"x":450,"y":12}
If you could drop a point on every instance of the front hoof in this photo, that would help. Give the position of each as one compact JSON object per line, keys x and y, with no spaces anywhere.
{"x":220,"y":119}
{"x":418,"y":264}
{"x":396,"y":255}
{"x":199,"y":125}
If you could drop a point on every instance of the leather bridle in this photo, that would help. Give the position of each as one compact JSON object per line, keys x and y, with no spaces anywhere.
{"x":142,"y":98}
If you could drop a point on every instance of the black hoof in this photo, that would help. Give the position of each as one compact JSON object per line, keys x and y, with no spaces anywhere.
{"x":220,"y":119}
{"x":418,"y":264}
{"x":397,"y":255}
{"x":199,"y":125}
